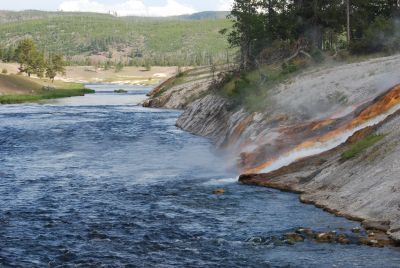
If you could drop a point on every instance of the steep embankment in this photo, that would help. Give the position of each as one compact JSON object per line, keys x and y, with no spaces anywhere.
{"x":180,"y":91}
{"x":296,"y":142}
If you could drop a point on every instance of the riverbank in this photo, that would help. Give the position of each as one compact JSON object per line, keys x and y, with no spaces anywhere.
{"x":309,"y":117}
{"x":20,"y":89}
{"x":90,"y":74}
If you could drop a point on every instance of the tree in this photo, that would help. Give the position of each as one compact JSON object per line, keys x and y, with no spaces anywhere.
{"x":147,"y":66}
{"x":247,"y":28}
{"x":38,"y":64}
{"x":348,"y":21}
{"x":119,"y":67}
{"x":30,"y":59}
{"x":55,"y":65}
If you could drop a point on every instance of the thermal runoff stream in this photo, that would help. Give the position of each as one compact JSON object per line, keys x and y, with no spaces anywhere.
{"x":370,"y":116}
{"x":97,"y":181}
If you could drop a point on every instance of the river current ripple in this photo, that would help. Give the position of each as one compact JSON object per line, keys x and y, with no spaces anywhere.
{"x":97,"y":181}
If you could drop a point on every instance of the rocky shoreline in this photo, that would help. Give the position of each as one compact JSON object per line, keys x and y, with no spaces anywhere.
{"x":364,"y":188}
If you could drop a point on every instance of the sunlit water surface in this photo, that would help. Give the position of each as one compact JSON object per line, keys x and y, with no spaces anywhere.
{"x":96,"y":181}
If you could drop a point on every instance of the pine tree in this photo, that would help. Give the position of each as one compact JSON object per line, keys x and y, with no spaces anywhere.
{"x":30,"y":59}
{"x":55,"y":65}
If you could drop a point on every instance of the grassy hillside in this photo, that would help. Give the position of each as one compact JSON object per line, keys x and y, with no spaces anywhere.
{"x":182,"y":40}
{"x":18,"y":89}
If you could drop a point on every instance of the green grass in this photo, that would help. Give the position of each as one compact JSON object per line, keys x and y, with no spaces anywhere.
{"x":43,"y":95}
{"x":247,"y":91}
{"x":38,"y":89}
{"x":359,"y":147}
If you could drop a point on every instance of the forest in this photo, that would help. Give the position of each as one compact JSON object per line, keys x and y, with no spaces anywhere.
{"x":265,"y":30}
{"x":96,"y":39}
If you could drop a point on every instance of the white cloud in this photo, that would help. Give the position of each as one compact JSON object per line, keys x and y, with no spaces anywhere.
{"x":225,"y":5}
{"x":128,"y":7}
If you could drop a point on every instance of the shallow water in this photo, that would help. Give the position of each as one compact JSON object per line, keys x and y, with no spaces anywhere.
{"x":96,"y":181}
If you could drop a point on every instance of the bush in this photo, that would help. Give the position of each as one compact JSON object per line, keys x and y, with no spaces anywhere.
{"x":240,"y":89}
{"x":147,"y":67}
{"x":317,"y":55}
{"x":179,"y":72}
{"x":289,"y":67}
{"x":276,"y":52}
{"x":4,"y":71}
{"x":119,"y":67}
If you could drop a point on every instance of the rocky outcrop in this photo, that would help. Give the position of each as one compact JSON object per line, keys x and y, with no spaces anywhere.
{"x":207,"y":117}
{"x":178,"y":92}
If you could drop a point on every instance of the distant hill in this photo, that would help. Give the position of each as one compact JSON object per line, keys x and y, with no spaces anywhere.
{"x":180,"y":40}
{"x":10,"y":16}
{"x":206,"y":15}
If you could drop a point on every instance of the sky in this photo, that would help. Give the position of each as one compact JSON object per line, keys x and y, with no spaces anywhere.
{"x":122,"y":7}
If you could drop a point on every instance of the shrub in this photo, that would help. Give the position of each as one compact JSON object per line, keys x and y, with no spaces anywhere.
{"x":119,"y":67}
{"x":317,"y":55}
{"x":4,"y":71}
{"x":179,"y":72}
{"x":289,"y":67}
{"x":147,"y":67}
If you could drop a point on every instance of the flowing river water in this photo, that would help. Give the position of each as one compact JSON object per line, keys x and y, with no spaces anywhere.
{"x":98,"y":181}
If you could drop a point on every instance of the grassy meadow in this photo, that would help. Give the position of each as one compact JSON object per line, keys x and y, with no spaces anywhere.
{"x":20,"y":89}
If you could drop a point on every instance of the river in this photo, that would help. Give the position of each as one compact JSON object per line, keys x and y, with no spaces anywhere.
{"x":98,"y":181}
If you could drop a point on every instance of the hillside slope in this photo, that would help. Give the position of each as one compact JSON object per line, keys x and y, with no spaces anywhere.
{"x":185,"y":40}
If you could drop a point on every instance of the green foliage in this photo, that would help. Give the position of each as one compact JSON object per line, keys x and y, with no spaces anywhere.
{"x":179,"y":72}
{"x":119,"y":67}
{"x":172,"y":41}
{"x":30,"y":59}
{"x":317,"y":55}
{"x":381,"y":35}
{"x":251,"y":89}
{"x":33,"y":62}
{"x":55,"y":65}
{"x":38,"y":90}
{"x":147,"y":67}
{"x":359,"y":147}
{"x":289,"y":67}
{"x":294,"y":66}
{"x":311,"y":26}
{"x":107,"y":65}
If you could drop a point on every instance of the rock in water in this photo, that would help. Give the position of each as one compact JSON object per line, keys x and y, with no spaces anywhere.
{"x":219,"y":191}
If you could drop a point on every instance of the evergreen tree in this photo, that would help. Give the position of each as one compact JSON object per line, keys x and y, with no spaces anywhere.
{"x":30,"y":59}
{"x":55,"y":65}
{"x":247,"y":29}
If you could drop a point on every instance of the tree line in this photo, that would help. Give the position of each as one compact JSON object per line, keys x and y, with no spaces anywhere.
{"x":33,"y":61}
{"x":306,"y":25}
